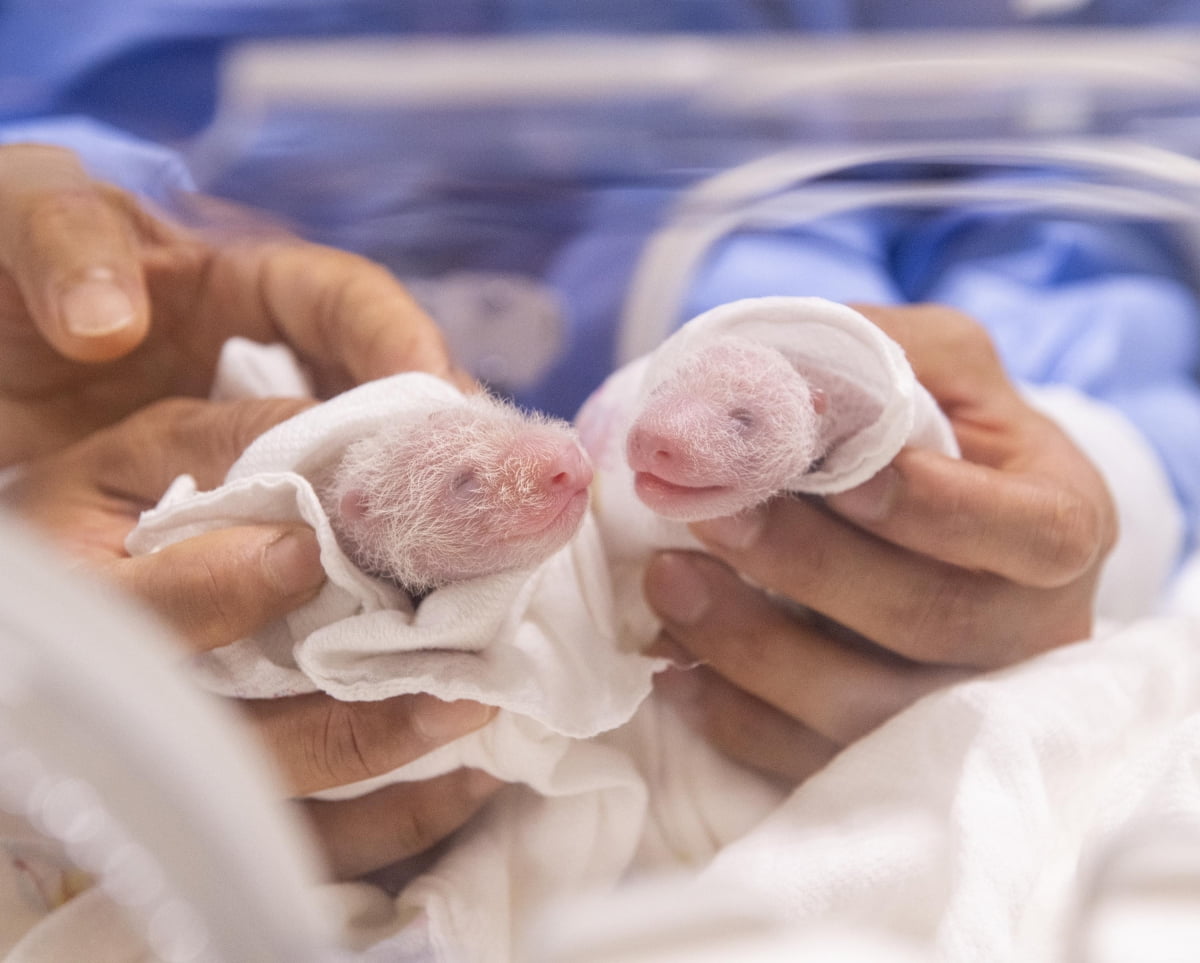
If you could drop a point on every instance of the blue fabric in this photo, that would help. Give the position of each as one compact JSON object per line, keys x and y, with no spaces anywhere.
{"x":149,"y":66}
{"x":1109,"y":308}
{"x":1106,"y":307}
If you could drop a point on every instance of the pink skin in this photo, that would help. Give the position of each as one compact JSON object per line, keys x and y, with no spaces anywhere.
{"x":469,"y":491}
{"x":728,"y":428}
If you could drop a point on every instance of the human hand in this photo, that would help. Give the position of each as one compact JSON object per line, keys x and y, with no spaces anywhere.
{"x":932,"y":570}
{"x":218,"y":587}
{"x":105,"y":307}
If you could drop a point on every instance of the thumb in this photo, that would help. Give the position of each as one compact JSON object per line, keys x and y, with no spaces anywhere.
{"x":72,"y":254}
{"x":220,"y":586}
{"x":139,"y":457}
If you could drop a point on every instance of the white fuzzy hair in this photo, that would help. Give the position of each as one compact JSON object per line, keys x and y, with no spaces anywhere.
{"x":736,"y":413}
{"x":454,"y":495}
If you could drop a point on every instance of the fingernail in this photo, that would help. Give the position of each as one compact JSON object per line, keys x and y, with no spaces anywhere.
{"x":872,"y":500}
{"x":293,"y":563}
{"x":676,"y":590}
{"x":734,"y":531}
{"x":96,"y":306}
{"x":439,"y":721}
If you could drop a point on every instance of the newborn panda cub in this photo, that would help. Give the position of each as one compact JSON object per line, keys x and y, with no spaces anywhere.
{"x":470,"y":490}
{"x":733,"y":424}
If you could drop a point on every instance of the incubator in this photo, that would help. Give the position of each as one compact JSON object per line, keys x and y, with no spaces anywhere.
{"x":488,"y":169}
{"x":555,"y":202}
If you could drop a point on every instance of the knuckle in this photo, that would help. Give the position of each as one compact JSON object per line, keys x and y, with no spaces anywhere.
{"x":249,"y":420}
{"x":745,"y":651}
{"x":170,"y":424}
{"x":188,"y":591}
{"x":796,"y":559}
{"x":1072,"y":541}
{"x":230,"y":428}
{"x":419,"y":825}
{"x":726,"y":723}
{"x":134,"y":455}
{"x":968,"y":339}
{"x":178,"y":412}
{"x":342,"y":749}
{"x":55,"y":215}
{"x":959,"y":340}
{"x":948,"y":621}
{"x":214,"y":434}
{"x":215,"y":615}
{"x":354,"y":284}
{"x":121,"y":200}
{"x":165,"y":420}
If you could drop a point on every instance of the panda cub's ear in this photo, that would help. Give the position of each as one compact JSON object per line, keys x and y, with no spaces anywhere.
{"x":354,"y":505}
{"x":820,"y":400}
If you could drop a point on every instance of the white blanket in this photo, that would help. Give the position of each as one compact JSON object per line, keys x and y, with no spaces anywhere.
{"x":537,"y":643}
{"x":1018,"y":816}
{"x":1022,"y":816}
{"x":973,"y":821}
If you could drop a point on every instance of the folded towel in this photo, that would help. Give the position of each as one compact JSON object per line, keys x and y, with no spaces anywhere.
{"x":537,"y":642}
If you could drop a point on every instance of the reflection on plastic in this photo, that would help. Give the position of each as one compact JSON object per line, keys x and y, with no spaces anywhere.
{"x":98,"y":737}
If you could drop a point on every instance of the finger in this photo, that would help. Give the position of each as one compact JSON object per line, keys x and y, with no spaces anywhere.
{"x":222,"y":586}
{"x":1029,"y":528}
{"x":337,"y":309}
{"x":743,"y":727}
{"x":72,"y":254}
{"x":390,"y":824}
{"x":838,"y":690}
{"x":367,"y":320}
{"x":922,"y":608}
{"x":141,"y":456}
{"x":321,"y":742}
{"x":950,"y":352}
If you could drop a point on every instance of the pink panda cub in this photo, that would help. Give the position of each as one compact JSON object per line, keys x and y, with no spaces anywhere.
{"x":733,"y":424}
{"x":472,"y":489}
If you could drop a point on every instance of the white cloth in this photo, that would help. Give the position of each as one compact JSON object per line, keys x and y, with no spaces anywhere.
{"x":539,"y":643}
{"x":875,"y":408}
{"x":966,"y":821}
{"x":699,"y":800}
{"x":1046,"y":812}
{"x":956,"y":831}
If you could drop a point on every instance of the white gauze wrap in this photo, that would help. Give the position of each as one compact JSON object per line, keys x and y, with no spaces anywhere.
{"x":539,"y":643}
{"x":700,"y":801}
{"x":875,"y":408}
